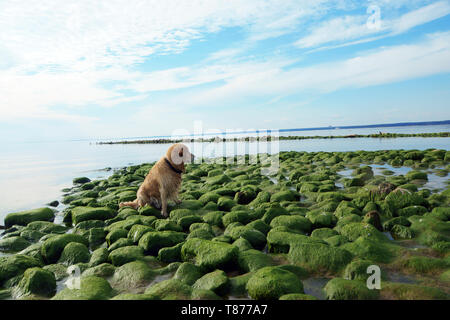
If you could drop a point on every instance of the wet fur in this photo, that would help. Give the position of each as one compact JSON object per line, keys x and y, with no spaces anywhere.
{"x":162,"y":183}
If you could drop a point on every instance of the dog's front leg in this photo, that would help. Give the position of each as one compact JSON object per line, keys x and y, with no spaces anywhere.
{"x":164,"y":204}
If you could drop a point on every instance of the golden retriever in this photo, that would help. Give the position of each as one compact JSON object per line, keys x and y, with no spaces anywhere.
{"x":163,"y":181}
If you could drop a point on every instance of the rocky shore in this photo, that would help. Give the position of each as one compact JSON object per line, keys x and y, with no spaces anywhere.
{"x":241,"y":234}
{"x":270,"y":138}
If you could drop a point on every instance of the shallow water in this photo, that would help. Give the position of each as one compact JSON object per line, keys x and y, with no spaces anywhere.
{"x":314,"y":287}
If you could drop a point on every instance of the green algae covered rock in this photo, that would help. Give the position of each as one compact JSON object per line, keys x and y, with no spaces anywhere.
{"x":53,"y":247}
{"x":403,"y":291}
{"x":216,"y":281}
{"x":152,"y":242}
{"x":297,"y":223}
{"x":171,"y":289}
{"x":317,"y":257}
{"x":46,"y":227}
{"x":80,"y":214}
{"x":342,"y":289}
{"x":251,"y":260}
{"x":271,"y":283}
{"x":355,"y":230}
{"x":357,"y":270}
{"x":126,"y":254}
{"x":170,"y":254}
{"x":236,"y":216}
{"x":115,"y":235}
{"x":209,"y":255}
{"x":256,"y":238}
{"x":371,"y":249}
{"x":134,"y":276}
{"x":297,"y":296}
{"x":74,"y":253}
{"x":36,"y":281}
{"x":91,"y":288}
{"x":188,"y":273}
{"x":13,"y":244}
{"x":137,"y":231}
{"x":15,"y":265}
{"x":422,"y":265}
{"x":103,"y":270}
{"x":25,"y":217}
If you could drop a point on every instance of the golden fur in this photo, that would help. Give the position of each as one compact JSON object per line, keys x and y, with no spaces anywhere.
{"x":162,"y":182}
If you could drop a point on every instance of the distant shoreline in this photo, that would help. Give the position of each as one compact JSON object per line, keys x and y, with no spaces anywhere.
{"x":273,"y":138}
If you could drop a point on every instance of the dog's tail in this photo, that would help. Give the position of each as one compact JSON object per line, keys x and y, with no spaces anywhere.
{"x":134,"y":204}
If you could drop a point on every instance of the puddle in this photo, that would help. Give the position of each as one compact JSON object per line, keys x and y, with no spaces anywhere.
{"x":401,"y":278}
{"x":314,"y":287}
{"x":388,"y":235}
{"x":410,"y":244}
{"x":161,"y":278}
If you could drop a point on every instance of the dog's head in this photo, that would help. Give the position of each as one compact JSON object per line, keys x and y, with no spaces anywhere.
{"x":179,"y":154}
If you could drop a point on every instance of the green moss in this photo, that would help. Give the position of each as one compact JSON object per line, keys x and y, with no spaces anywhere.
{"x":402,"y":232}
{"x":46,"y":227}
{"x":166,"y":225}
{"x":252,"y":260}
{"x":403,"y":291}
{"x":323,"y":233}
{"x":74,"y":253}
{"x":253,"y":236}
{"x":297,"y":223}
{"x":341,"y":289}
{"x":126,"y":254}
{"x":209,"y":255}
{"x":80,"y":214}
{"x":225,"y":204}
{"x":188,"y":273}
{"x":91,"y":288}
{"x":152,"y":242}
{"x":235,"y":216}
{"x":13,"y":244}
{"x":213,"y":218}
{"x":171,"y":289}
{"x":36,"y":281}
{"x":58,"y":270}
{"x":15,"y":265}
{"x":411,"y":211}
{"x":103,"y":270}
{"x":371,"y":249}
{"x":134,"y":276}
{"x":209,"y":197}
{"x":355,"y":230}
{"x":137,"y":231}
{"x":285,"y":195}
{"x":170,"y":254}
{"x":422,"y":265}
{"x":115,"y":235}
{"x":272,"y":282}
{"x":216,"y":281}
{"x":53,"y":247}
{"x":25,"y":217}
{"x":357,"y":270}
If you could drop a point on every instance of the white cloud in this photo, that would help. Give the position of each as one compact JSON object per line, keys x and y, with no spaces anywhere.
{"x":351,"y":28}
{"x":385,"y":65}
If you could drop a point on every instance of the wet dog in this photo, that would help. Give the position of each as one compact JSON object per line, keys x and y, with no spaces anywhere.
{"x":163,"y":181}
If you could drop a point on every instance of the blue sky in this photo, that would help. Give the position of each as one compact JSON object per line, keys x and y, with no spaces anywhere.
{"x":79,"y":69}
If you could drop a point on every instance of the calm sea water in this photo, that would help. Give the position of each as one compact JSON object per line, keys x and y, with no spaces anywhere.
{"x":33,"y":174}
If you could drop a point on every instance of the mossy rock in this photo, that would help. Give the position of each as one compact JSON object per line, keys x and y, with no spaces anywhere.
{"x":412,"y":211}
{"x":99,"y":256}
{"x":256,"y":238}
{"x":216,"y":281}
{"x":342,"y":289}
{"x":209,"y":255}
{"x":36,"y":281}
{"x":297,"y":223}
{"x":213,"y":218}
{"x":251,"y":260}
{"x":115,"y":235}
{"x":389,"y":224}
{"x":297,"y":296}
{"x":317,"y":257}
{"x":13,"y":244}
{"x":236,"y":216}
{"x":74,"y":253}
{"x":137,"y":231}
{"x":371,"y":249}
{"x":403,"y":291}
{"x":271,"y":283}
{"x":209,"y":197}
{"x":286,"y":195}
{"x":133,"y":276}
{"x":422,"y":265}
{"x":402,"y":232}
{"x":355,"y":230}
{"x":152,"y":242}
{"x":15,"y":265}
{"x":25,"y":217}
{"x":103,"y":270}
{"x":47,"y":227}
{"x":323,"y":233}
{"x":170,"y":254}
{"x":80,"y":214}
{"x":357,"y":270}
{"x":91,"y":288}
{"x":166,"y":225}
{"x":225,"y":204}
{"x":171,"y":289}
{"x":188,"y":273}
{"x":53,"y":247}
{"x":126,"y":254}
{"x":321,"y":219}
{"x":416,"y":175}
{"x":59,"y":270}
